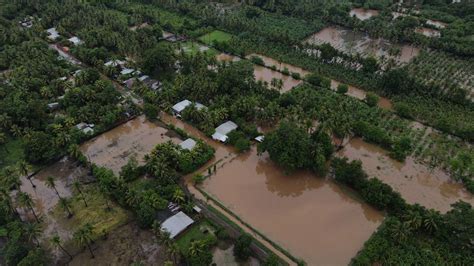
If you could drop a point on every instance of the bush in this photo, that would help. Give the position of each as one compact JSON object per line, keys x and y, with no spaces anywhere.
{"x":151,"y":111}
{"x":257,"y":60}
{"x":198,"y":178}
{"x":242,"y":247}
{"x":342,"y":88}
{"x":296,"y":75}
{"x":371,"y":99}
{"x":403,"y":110}
{"x":242,"y":145}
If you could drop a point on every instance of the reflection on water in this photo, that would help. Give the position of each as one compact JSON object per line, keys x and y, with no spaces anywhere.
{"x":137,"y":138}
{"x":432,"y":188}
{"x":314,"y":218}
{"x":350,"y":41}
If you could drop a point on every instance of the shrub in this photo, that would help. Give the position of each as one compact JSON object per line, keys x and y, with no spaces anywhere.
{"x":371,"y":99}
{"x":242,"y":247}
{"x":342,"y":88}
{"x":151,"y":111}
{"x":242,"y":145}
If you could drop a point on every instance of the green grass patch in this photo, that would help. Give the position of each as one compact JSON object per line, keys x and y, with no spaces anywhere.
{"x":11,"y":152}
{"x":103,"y":220}
{"x":215,"y":36}
{"x":196,"y":232}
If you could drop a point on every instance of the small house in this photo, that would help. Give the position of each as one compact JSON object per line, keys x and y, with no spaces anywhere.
{"x":188,"y":144}
{"x":127,"y":71}
{"x":260,"y":138}
{"x":53,"y":106}
{"x":222,"y":131}
{"x":115,"y":63}
{"x":53,"y":34}
{"x":129,"y":82}
{"x":176,"y":224}
{"x":75,"y":40}
{"x":85,"y":128}
{"x":179,"y":107}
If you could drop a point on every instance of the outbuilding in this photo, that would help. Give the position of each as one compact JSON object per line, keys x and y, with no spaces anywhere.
{"x":188,"y":144}
{"x":222,"y":131}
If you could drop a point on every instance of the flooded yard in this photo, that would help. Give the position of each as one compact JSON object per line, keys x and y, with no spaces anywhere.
{"x":363,"y":14}
{"x":352,"y":42}
{"x":280,"y":66}
{"x":313,"y":218}
{"x":137,"y":138}
{"x":432,"y":188}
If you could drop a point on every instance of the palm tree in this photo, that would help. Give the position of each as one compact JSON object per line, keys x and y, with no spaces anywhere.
{"x":431,"y":220}
{"x":83,"y":237}
{"x":106,"y":192}
{"x":23,"y":167}
{"x":51,"y":184}
{"x":74,"y":151}
{"x":196,"y":248}
{"x":173,"y":251}
{"x":33,"y":230}
{"x":77,"y":186}
{"x":66,"y":205}
{"x":178,"y":196}
{"x":3,"y":140}
{"x":56,"y":242}
{"x":25,"y":201}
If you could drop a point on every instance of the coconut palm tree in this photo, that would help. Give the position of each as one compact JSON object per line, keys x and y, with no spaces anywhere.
{"x":32,"y":231}
{"x":3,"y":141}
{"x":196,"y":248}
{"x":66,"y":205}
{"x":431,"y":220}
{"x":57,"y":243}
{"x":83,"y":237}
{"x":178,"y":196}
{"x":23,"y":168}
{"x":26,"y":201}
{"x":77,"y":186}
{"x":173,"y":252}
{"x":50,"y":183}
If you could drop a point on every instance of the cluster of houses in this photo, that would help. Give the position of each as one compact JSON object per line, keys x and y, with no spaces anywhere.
{"x":130,"y":75}
{"x":53,"y":35}
{"x":27,"y":22}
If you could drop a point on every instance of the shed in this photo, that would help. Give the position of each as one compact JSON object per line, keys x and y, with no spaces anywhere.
{"x":179,"y":107}
{"x":126,"y":71}
{"x":176,"y":224}
{"x":75,"y":40}
{"x":188,"y":144}
{"x":115,"y":63}
{"x":260,"y":138}
{"x":53,"y":106}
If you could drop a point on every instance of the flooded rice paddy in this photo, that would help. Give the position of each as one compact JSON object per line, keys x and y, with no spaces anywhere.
{"x":136,"y":138}
{"x":432,"y":188}
{"x":363,"y":14}
{"x":310,"y":216}
{"x":352,"y":42}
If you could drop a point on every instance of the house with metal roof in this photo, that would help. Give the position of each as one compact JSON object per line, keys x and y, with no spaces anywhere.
{"x":176,"y":224}
{"x":53,"y":34}
{"x":75,"y":40}
{"x":222,"y":131}
{"x":179,"y":107}
{"x":188,"y":144}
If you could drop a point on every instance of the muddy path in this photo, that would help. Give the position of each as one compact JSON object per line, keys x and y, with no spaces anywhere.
{"x":295,"y":210}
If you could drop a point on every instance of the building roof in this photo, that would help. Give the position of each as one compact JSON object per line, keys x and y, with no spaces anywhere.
{"x":176,"y":224}
{"x":188,"y":144}
{"x":220,"y":137}
{"x":179,"y":107}
{"x":144,"y":78}
{"x":126,"y":71}
{"x":75,"y":40}
{"x":227,"y":127}
{"x":115,"y":63}
{"x":199,"y":106}
{"x":260,"y":138}
{"x":53,"y":34}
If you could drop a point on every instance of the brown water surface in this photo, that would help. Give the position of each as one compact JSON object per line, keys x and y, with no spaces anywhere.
{"x":227,"y":57}
{"x":280,"y":66}
{"x":357,"y":93}
{"x":313,"y":218}
{"x":137,"y":138}
{"x":267,"y":75}
{"x":363,"y":14}
{"x":432,"y":188}
{"x":351,"y":42}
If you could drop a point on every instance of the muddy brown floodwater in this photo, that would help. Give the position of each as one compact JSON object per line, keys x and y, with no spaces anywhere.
{"x":227,"y":57}
{"x":432,"y":188}
{"x":313,"y":218}
{"x":363,"y":14}
{"x":350,"y":41}
{"x":360,"y":94}
{"x":280,"y":66}
{"x":137,"y":137}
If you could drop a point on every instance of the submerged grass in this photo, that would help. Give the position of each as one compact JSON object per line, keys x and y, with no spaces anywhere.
{"x":103,"y":220}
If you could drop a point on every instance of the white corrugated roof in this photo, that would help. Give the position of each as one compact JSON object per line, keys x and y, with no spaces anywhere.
{"x":126,"y":71}
{"x":176,"y":224}
{"x":227,"y":127}
{"x":53,"y":33}
{"x":179,"y":107}
{"x":220,"y":137}
{"x":75,"y":40}
{"x":188,"y":144}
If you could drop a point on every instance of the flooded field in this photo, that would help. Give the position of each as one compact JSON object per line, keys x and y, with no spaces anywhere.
{"x":313,"y":218}
{"x":352,"y":42}
{"x":363,"y":14}
{"x":280,"y":66}
{"x":223,"y":57}
{"x":428,"y":32}
{"x":267,"y":75}
{"x":124,"y":246}
{"x":137,"y":138}
{"x":360,"y":94}
{"x":432,"y":188}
